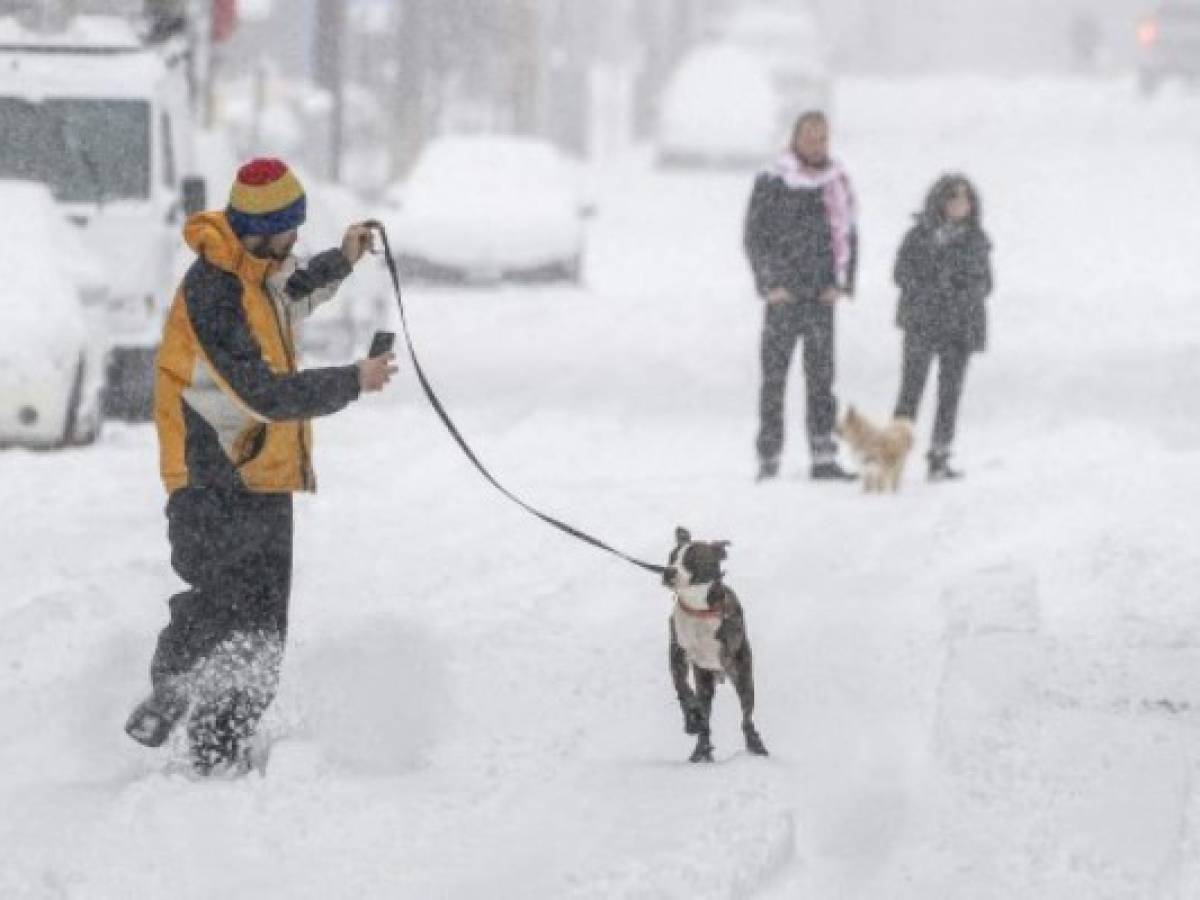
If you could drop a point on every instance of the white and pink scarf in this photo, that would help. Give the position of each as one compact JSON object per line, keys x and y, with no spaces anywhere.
{"x":840,"y":208}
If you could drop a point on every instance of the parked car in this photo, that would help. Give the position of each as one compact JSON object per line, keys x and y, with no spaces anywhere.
{"x":484,"y":208}
{"x":789,"y":42}
{"x":1169,"y":45}
{"x":719,"y":109}
{"x":53,"y":343}
{"x":364,"y":303}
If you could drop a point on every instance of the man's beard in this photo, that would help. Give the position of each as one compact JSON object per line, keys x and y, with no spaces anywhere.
{"x":266,"y":253}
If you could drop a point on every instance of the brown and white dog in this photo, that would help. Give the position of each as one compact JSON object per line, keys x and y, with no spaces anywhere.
{"x":708,"y":633}
{"x":882,"y":451}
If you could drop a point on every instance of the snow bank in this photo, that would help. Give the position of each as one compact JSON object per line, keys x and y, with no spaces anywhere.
{"x":371,"y":700}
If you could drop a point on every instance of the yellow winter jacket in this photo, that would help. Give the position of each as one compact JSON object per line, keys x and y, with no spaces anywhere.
{"x":231,"y":406}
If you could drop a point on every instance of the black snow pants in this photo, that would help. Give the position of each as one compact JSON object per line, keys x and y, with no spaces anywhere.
{"x":223,"y":647}
{"x":952,"y":372}
{"x":783,"y":326}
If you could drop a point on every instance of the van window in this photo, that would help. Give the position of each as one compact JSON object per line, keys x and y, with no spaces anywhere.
{"x":87,"y":151}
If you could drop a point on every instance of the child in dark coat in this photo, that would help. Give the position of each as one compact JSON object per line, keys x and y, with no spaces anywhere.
{"x":943,"y":270}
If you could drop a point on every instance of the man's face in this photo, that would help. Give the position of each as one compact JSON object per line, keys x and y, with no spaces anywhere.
{"x":271,"y":246}
{"x":812,"y":143}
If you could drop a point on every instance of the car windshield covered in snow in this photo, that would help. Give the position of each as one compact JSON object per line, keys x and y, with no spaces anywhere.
{"x":87,"y":151}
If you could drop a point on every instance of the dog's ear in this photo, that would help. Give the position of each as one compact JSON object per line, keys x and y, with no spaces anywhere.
{"x":682,"y":536}
{"x":721,"y":548}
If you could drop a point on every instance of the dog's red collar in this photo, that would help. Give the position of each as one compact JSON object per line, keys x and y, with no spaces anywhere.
{"x":706,"y":613}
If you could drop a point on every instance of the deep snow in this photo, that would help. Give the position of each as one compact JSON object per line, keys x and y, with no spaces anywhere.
{"x":984,"y":689}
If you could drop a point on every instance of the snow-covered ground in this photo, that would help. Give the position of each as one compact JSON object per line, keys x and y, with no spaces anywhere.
{"x":976,"y":690}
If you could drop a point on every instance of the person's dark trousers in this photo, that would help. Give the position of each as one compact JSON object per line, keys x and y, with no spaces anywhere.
{"x":952,"y":372}
{"x":223,"y":647}
{"x":784,"y":325}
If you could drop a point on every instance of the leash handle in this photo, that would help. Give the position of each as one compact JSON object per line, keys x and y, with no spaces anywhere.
{"x":461,"y":441}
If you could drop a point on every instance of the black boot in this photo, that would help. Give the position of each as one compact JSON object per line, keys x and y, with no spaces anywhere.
{"x":767,"y":469}
{"x":940,"y":469}
{"x":704,"y":749}
{"x":754,"y":741}
{"x":831,"y":471}
{"x":154,"y":718}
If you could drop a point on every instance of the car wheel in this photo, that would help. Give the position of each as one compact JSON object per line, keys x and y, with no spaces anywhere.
{"x":129,"y":387}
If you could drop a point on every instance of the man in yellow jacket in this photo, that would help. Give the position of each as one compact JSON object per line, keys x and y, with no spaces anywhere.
{"x":232,"y":411}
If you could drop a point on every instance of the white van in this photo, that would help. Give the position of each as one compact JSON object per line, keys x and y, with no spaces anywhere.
{"x":106,"y":122}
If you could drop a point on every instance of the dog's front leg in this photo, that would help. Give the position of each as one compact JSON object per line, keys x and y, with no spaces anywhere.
{"x":887,"y":481}
{"x":706,"y":688}
{"x":872,"y":480}
{"x":693,"y":716}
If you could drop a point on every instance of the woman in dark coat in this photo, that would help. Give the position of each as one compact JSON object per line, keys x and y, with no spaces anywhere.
{"x":944,"y":273}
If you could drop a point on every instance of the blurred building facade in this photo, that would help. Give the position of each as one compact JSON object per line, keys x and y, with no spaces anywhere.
{"x":357,"y":86}
{"x":996,"y":36}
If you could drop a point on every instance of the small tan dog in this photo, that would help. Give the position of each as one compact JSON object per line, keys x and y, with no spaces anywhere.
{"x":882,"y":451}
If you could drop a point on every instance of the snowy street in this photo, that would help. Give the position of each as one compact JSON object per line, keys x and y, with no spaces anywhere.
{"x":986,"y":689}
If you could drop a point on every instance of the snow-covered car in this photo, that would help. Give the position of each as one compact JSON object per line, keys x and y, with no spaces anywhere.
{"x":788,"y":41}
{"x":53,"y":344}
{"x":490,"y":207}
{"x":719,"y":109}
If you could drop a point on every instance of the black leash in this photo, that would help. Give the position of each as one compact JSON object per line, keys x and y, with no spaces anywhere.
{"x":454,"y":432}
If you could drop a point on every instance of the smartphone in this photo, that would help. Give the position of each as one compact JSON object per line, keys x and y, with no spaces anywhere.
{"x":381,"y":343}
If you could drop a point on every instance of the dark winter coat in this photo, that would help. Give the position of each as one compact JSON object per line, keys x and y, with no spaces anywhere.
{"x":944,"y":275}
{"x":788,"y":241}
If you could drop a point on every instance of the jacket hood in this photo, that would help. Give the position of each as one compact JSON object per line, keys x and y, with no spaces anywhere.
{"x":210,"y":235}
{"x":939,"y":194}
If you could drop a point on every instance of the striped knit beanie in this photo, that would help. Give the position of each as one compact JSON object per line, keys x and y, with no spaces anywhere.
{"x":266,"y":199}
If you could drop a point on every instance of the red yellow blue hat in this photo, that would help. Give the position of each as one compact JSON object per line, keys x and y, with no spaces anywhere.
{"x":266,"y":199}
